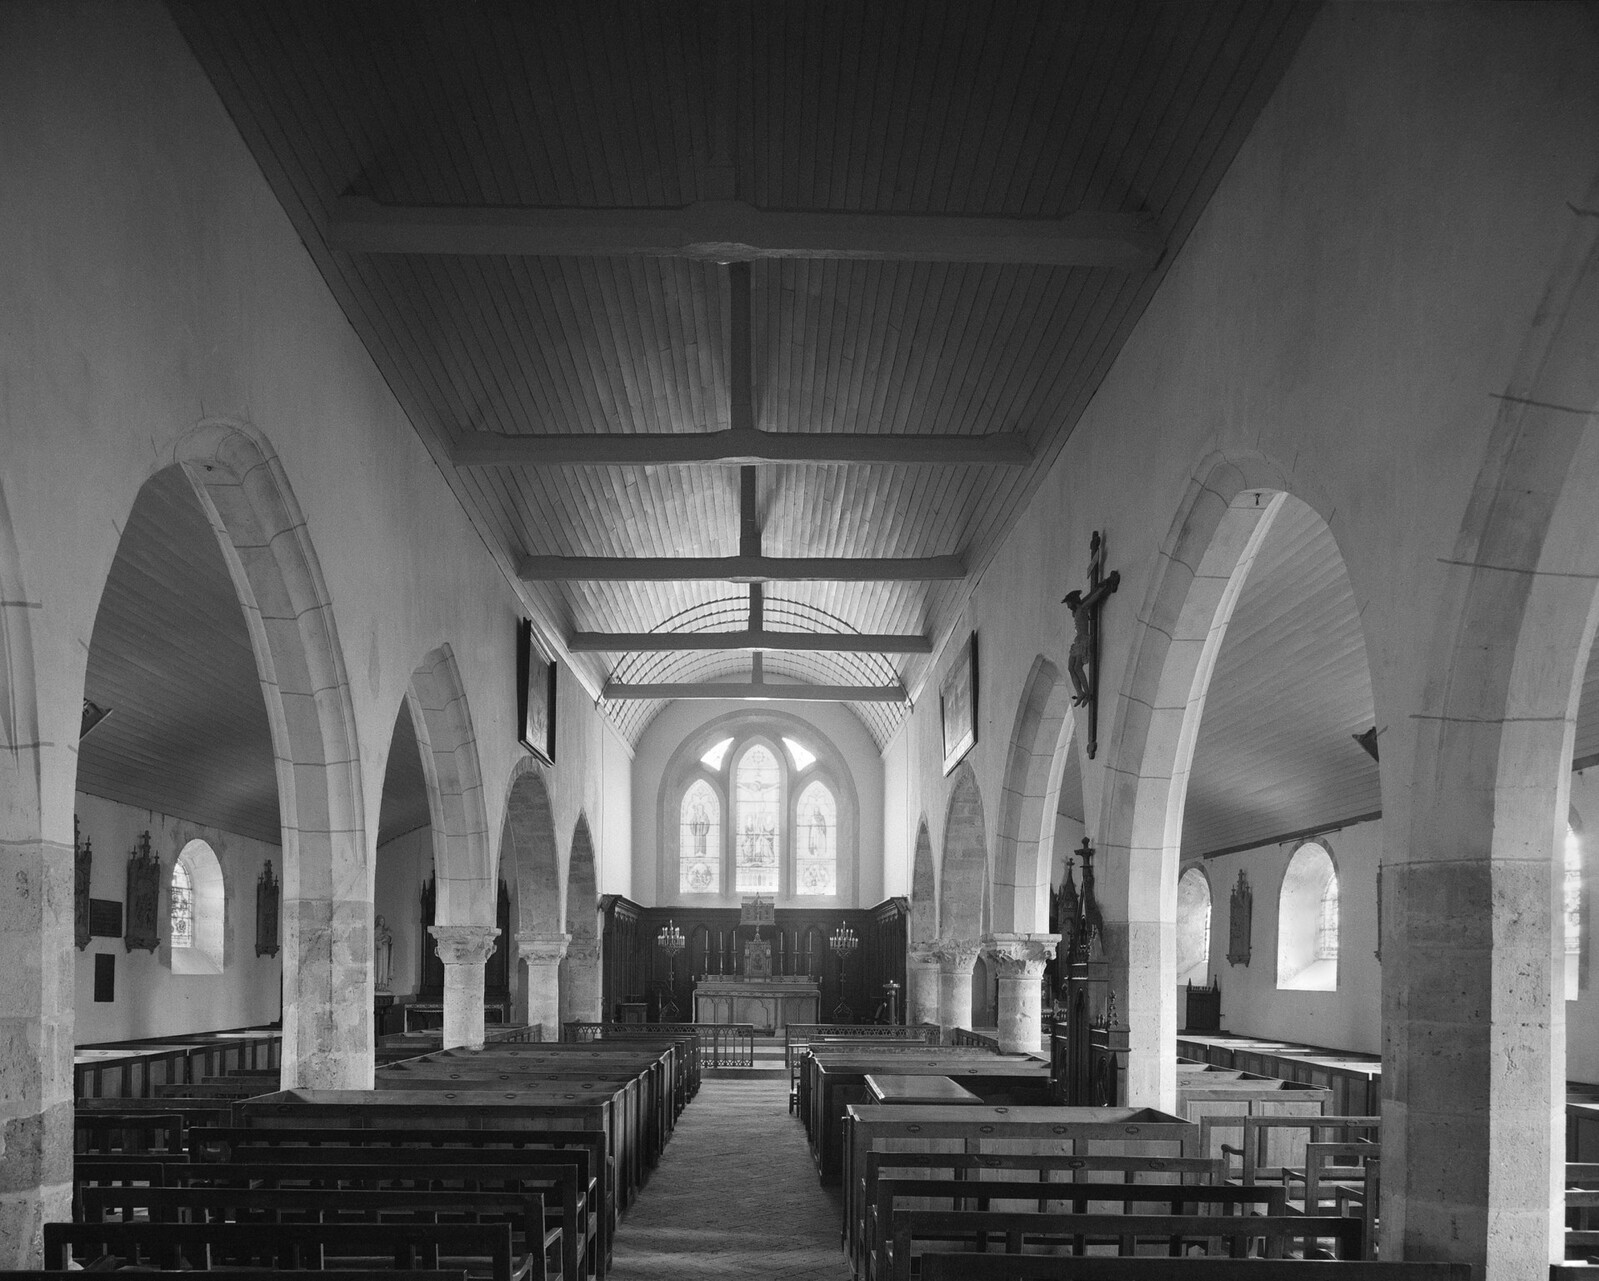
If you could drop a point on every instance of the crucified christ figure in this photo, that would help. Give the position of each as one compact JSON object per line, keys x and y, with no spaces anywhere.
{"x":1082,"y":650}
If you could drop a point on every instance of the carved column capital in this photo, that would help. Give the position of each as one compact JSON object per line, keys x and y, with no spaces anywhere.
{"x":542,"y":949}
{"x":957,"y":956}
{"x":922,"y":954}
{"x":584,"y":951}
{"x":464,"y":944}
{"x":1020,"y":956}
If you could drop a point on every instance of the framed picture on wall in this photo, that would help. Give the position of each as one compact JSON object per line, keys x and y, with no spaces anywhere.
{"x":535,"y":686}
{"x":957,"y":705}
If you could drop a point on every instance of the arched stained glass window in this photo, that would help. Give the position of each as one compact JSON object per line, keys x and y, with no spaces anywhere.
{"x":757,"y":788}
{"x":1327,"y":921}
{"x":700,"y":840}
{"x":182,"y":906}
{"x":1193,"y":927}
{"x":816,"y":842}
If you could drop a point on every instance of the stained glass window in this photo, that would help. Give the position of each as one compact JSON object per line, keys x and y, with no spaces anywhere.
{"x":700,"y":840}
{"x":816,"y":842}
{"x":804,"y":758}
{"x":757,"y":789}
{"x":182,"y":906}
{"x":1327,"y":921}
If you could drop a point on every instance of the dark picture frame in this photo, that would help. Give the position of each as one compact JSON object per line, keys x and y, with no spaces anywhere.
{"x":957,"y":705}
{"x":535,"y":696}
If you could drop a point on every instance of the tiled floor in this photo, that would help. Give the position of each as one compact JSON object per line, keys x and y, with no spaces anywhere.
{"x":735,"y":1195}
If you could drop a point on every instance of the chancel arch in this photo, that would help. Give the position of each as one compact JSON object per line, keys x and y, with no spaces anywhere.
{"x":528,"y":842}
{"x":326,"y":895}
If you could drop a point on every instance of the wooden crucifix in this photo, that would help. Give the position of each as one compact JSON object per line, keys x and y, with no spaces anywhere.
{"x":1082,"y":660}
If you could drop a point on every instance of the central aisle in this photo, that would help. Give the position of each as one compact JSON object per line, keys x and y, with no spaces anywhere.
{"x":735,"y":1195}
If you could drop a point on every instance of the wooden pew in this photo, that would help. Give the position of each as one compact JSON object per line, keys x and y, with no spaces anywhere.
{"x":1255,"y":1151}
{"x":1001,"y":1267}
{"x":127,"y":1132}
{"x":524,"y":1211}
{"x":1240,"y":1232}
{"x":1047,"y":1171}
{"x":1044,"y":1131}
{"x":835,"y":1084}
{"x":564,"y":1175}
{"x":169,"y":1246}
{"x":282,"y":1274}
{"x":1075,"y":1198}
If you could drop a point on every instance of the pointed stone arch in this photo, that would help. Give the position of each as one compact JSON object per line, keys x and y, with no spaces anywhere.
{"x":1025,"y":839}
{"x":1205,"y":559}
{"x":924,"y":889}
{"x":921,"y":960}
{"x":528,"y":843}
{"x":463,"y":858}
{"x":1473,"y":844}
{"x":327,"y":882}
{"x":963,"y":875}
{"x":580,"y":985}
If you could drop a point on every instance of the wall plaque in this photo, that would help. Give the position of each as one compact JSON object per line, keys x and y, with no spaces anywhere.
{"x":105,"y":977}
{"x":105,"y":918}
{"x":144,"y":892}
{"x":1239,"y":921}
{"x":268,"y":891}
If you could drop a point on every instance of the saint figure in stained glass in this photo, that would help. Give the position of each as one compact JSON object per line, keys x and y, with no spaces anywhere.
{"x":182,"y":906}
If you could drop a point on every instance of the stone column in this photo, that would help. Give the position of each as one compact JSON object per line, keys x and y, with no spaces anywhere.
{"x":921,"y":986}
{"x":36,"y":1009}
{"x":1020,"y":959}
{"x":956,"y":959}
{"x":464,"y":949}
{"x":543,"y":954}
{"x":580,"y":995}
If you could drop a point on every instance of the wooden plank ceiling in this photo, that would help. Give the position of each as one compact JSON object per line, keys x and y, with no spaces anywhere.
{"x":1026,"y":111}
{"x":170,"y":657}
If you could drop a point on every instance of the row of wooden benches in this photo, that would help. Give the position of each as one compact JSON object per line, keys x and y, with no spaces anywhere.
{"x":997,"y":1180}
{"x":518,"y":1157}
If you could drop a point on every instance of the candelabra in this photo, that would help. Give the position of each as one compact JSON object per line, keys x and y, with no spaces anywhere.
{"x":844,"y":941}
{"x":670,"y":940}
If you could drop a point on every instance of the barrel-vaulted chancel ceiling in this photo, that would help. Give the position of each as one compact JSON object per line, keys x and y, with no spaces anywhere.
{"x":489,"y":192}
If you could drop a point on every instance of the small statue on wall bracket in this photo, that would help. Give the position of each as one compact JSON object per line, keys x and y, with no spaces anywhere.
{"x":1239,"y":921}
{"x":144,"y":893}
{"x":82,"y":866}
{"x":267,"y":893}
{"x":1082,"y":660}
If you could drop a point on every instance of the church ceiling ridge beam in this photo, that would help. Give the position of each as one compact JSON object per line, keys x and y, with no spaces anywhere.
{"x":736,"y":447}
{"x":740,"y":569}
{"x":735,"y":231}
{"x":756,"y":692}
{"x":751,"y":639}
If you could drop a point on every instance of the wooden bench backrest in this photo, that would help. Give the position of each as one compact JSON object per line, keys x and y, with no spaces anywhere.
{"x":1000,"y":1267}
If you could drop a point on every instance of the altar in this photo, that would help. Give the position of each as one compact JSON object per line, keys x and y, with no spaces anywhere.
{"x":769,"y":1005}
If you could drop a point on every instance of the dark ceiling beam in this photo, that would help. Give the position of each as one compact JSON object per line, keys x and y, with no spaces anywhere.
{"x":790,"y":642}
{"x":740,"y":569}
{"x":739,"y":447}
{"x":733,"y":231}
{"x":758,"y":692}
